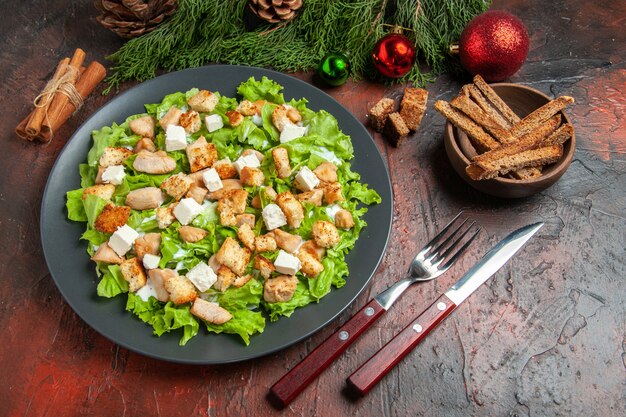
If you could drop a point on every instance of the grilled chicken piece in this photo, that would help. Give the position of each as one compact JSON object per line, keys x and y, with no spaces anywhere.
{"x":215,"y":266}
{"x":210,"y":312}
{"x":325,"y":234}
{"x":107,"y":255}
{"x":310,"y":247}
{"x":287,"y":241}
{"x":143,"y":126}
{"x":172,"y":117}
{"x":192,"y":234}
{"x":279,"y":289}
{"x":144,"y":144}
{"x":144,"y":198}
{"x":326,"y":171}
{"x":158,"y":277}
{"x":197,"y":192}
{"x":344,"y":220}
{"x":148,"y":243}
{"x":154,"y":162}
{"x":227,"y":185}
{"x":312,"y":197}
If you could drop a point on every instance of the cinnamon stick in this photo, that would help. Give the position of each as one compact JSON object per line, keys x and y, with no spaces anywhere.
{"x":93,"y":75}
{"x":60,"y":100}
{"x":34,"y":124}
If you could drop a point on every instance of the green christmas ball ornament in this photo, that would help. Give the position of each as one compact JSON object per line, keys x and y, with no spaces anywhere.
{"x":334,"y":68}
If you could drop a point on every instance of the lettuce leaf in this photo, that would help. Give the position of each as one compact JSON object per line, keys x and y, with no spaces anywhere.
{"x":300,"y":298}
{"x":265,"y":89}
{"x":74,"y":206}
{"x":244,"y":323}
{"x":112,"y":282}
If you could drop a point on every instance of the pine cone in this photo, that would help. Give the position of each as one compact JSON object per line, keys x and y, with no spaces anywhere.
{"x":274,"y":11}
{"x":132,"y":18}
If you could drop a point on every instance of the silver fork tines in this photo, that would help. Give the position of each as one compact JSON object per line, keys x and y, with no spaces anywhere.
{"x":429,"y":262}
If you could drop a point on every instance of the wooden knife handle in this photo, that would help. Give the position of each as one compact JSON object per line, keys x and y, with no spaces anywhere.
{"x":372,"y":371}
{"x":294,"y":382}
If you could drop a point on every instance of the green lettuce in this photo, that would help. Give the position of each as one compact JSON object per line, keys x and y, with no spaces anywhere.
{"x":300,"y":298}
{"x":112,"y":282}
{"x":265,"y":89}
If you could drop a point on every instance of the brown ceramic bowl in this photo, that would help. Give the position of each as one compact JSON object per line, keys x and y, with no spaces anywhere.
{"x":522,"y":100}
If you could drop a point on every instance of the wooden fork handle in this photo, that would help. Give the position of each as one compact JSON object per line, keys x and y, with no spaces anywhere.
{"x":383,"y":361}
{"x":294,"y":382}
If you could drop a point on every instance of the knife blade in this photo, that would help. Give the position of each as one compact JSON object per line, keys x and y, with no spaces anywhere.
{"x":372,"y":371}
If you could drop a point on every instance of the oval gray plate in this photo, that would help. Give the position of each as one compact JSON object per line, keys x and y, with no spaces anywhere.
{"x":74,"y":273}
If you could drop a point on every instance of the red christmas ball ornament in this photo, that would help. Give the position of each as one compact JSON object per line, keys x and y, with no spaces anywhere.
{"x":394,"y":55}
{"x":494,"y":44}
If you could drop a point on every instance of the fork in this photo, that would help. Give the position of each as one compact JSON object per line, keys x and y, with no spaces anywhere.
{"x":433,"y":260}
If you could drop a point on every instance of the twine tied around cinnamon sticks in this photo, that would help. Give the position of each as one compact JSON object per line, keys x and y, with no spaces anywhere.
{"x":70,"y":84}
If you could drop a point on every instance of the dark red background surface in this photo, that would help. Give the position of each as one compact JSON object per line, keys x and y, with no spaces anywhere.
{"x":546,"y":336}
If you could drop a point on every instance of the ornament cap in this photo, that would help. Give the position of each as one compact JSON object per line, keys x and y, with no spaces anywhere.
{"x":454,"y":48}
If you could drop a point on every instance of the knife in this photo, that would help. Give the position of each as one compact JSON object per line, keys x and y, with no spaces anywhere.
{"x":372,"y":371}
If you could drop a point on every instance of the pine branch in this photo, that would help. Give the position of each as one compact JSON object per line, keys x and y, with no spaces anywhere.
{"x":204,"y":31}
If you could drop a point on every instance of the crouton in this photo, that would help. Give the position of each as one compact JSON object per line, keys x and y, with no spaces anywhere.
{"x":142,"y":126}
{"x":265,"y":243}
{"x":104,"y":191}
{"x":309,"y":264}
{"x":205,"y":101}
{"x":197,"y":192}
{"x":294,"y":115}
{"x":190,"y":121}
{"x":264,"y":265}
{"x":201,"y":154}
{"x":113,"y":156}
{"x":177,"y":185}
{"x":332,"y":192}
{"x":165,"y":216}
{"x":280,"y":118}
{"x":225,"y":278}
{"x":241,"y":281}
{"x":310,"y":247}
{"x":395,"y":129}
{"x":234,"y":118}
{"x":286,"y":241}
{"x":281,"y":162}
{"x":233,"y":256}
{"x":150,"y":243}
{"x":172,"y":117}
{"x":144,"y":144}
{"x":312,"y":197}
{"x":246,"y":235}
{"x":111,"y":217}
{"x":157,"y":279}
{"x":246,"y":218}
{"x":210,"y":312}
{"x":247,"y":108}
{"x":181,"y":289}
{"x":235,"y":200}
{"x":294,"y":212}
{"x":227,"y":186}
{"x":107,"y":255}
{"x":326,"y":171}
{"x":225,"y":169}
{"x":192,"y":234}
{"x":378,"y":114}
{"x":413,"y":107}
{"x":133,"y":273}
{"x":344,"y":220}
{"x":279,"y":289}
{"x":325,"y":234}
{"x":251,"y":176}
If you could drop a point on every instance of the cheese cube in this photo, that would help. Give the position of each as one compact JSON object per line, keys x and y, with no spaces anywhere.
{"x":147,"y":291}
{"x":151,"y":261}
{"x":202,"y":276}
{"x":114,"y":174}
{"x":306,"y":179}
{"x":213,"y":122}
{"x":175,"y":138}
{"x":212,"y":180}
{"x":291,"y":132}
{"x":246,"y":161}
{"x":186,"y":210}
{"x":122,"y":240}
{"x":273,"y":217}
{"x":286,"y":264}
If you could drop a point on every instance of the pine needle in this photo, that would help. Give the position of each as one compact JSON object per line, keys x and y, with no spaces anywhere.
{"x":214,"y":31}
